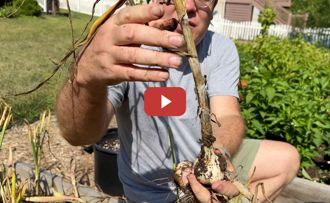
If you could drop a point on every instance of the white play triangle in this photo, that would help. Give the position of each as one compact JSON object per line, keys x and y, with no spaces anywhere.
{"x":165,"y":101}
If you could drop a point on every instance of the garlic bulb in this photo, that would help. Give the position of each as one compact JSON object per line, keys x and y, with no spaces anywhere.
{"x":209,"y":166}
{"x":182,"y":170}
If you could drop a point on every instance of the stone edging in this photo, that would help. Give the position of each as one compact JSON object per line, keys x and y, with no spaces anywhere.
{"x":48,"y":181}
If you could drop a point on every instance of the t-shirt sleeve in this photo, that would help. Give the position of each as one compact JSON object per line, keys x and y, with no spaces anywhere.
{"x":224,"y":74}
{"x":116,"y":94}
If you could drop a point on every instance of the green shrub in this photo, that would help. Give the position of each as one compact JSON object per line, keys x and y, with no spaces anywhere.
{"x":287,"y":96}
{"x":20,"y":7}
{"x":266,"y":18}
{"x":29,"y":7}
{"x":8,"y":11}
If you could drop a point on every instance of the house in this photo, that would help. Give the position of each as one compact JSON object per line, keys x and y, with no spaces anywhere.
{"x":248,"y":10}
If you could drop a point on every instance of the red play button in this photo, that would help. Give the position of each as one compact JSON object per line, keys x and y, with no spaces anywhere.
{"x":165,"y":101}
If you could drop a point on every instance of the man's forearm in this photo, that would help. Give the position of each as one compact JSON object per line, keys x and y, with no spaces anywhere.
{"x":82,"y":113}
{"x":230,"y":134}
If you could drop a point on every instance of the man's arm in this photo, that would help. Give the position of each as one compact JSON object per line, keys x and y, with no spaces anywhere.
{"x":83,"y":113}
{"x":227,"y":111}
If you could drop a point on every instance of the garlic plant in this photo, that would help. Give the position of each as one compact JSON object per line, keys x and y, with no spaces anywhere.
{"x":209,"y":166}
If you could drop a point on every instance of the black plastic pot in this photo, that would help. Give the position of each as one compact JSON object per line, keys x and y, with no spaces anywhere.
{"x":105,"y":166}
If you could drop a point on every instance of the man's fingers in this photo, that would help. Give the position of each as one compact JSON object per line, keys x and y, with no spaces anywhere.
{"x":137,"y":55}
{"x":134,"y":73}
{"x":226,"y":188}
{"x":201,"y":193}
{"x":142,"y":34}
{"x":139,"y":14}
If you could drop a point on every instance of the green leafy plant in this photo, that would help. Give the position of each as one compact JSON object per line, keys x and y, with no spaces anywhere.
{"x":7,"y":11}
{"x":266,"y":18}
{"x":28,"y":7}
{"x":287,"y":94}
{"x":318,"y":11}
{"x":20,"y":7}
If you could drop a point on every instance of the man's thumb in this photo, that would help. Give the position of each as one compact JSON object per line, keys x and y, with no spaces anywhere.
{"x":201,"y":193}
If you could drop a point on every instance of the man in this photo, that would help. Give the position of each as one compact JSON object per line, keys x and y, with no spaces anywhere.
{"x":108,"y":81}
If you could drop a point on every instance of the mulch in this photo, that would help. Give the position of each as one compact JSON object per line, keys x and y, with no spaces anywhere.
{"x":57,"y":154}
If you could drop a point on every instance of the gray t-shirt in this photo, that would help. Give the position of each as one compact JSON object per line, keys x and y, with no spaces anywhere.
{"x":144,"y":160}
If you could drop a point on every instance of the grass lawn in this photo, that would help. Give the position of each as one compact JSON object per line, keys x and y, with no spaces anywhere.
{"x":28,"y":44}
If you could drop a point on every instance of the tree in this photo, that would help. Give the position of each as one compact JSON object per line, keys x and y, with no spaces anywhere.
{"x":318,"y":10}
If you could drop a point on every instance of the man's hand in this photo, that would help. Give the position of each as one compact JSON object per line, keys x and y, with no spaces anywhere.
{"x":111,"y":56}
{"x":225,"y":188}
{"x":203,"y":195}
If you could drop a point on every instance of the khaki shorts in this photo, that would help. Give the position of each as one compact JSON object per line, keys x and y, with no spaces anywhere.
{"x":244,"y":158}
